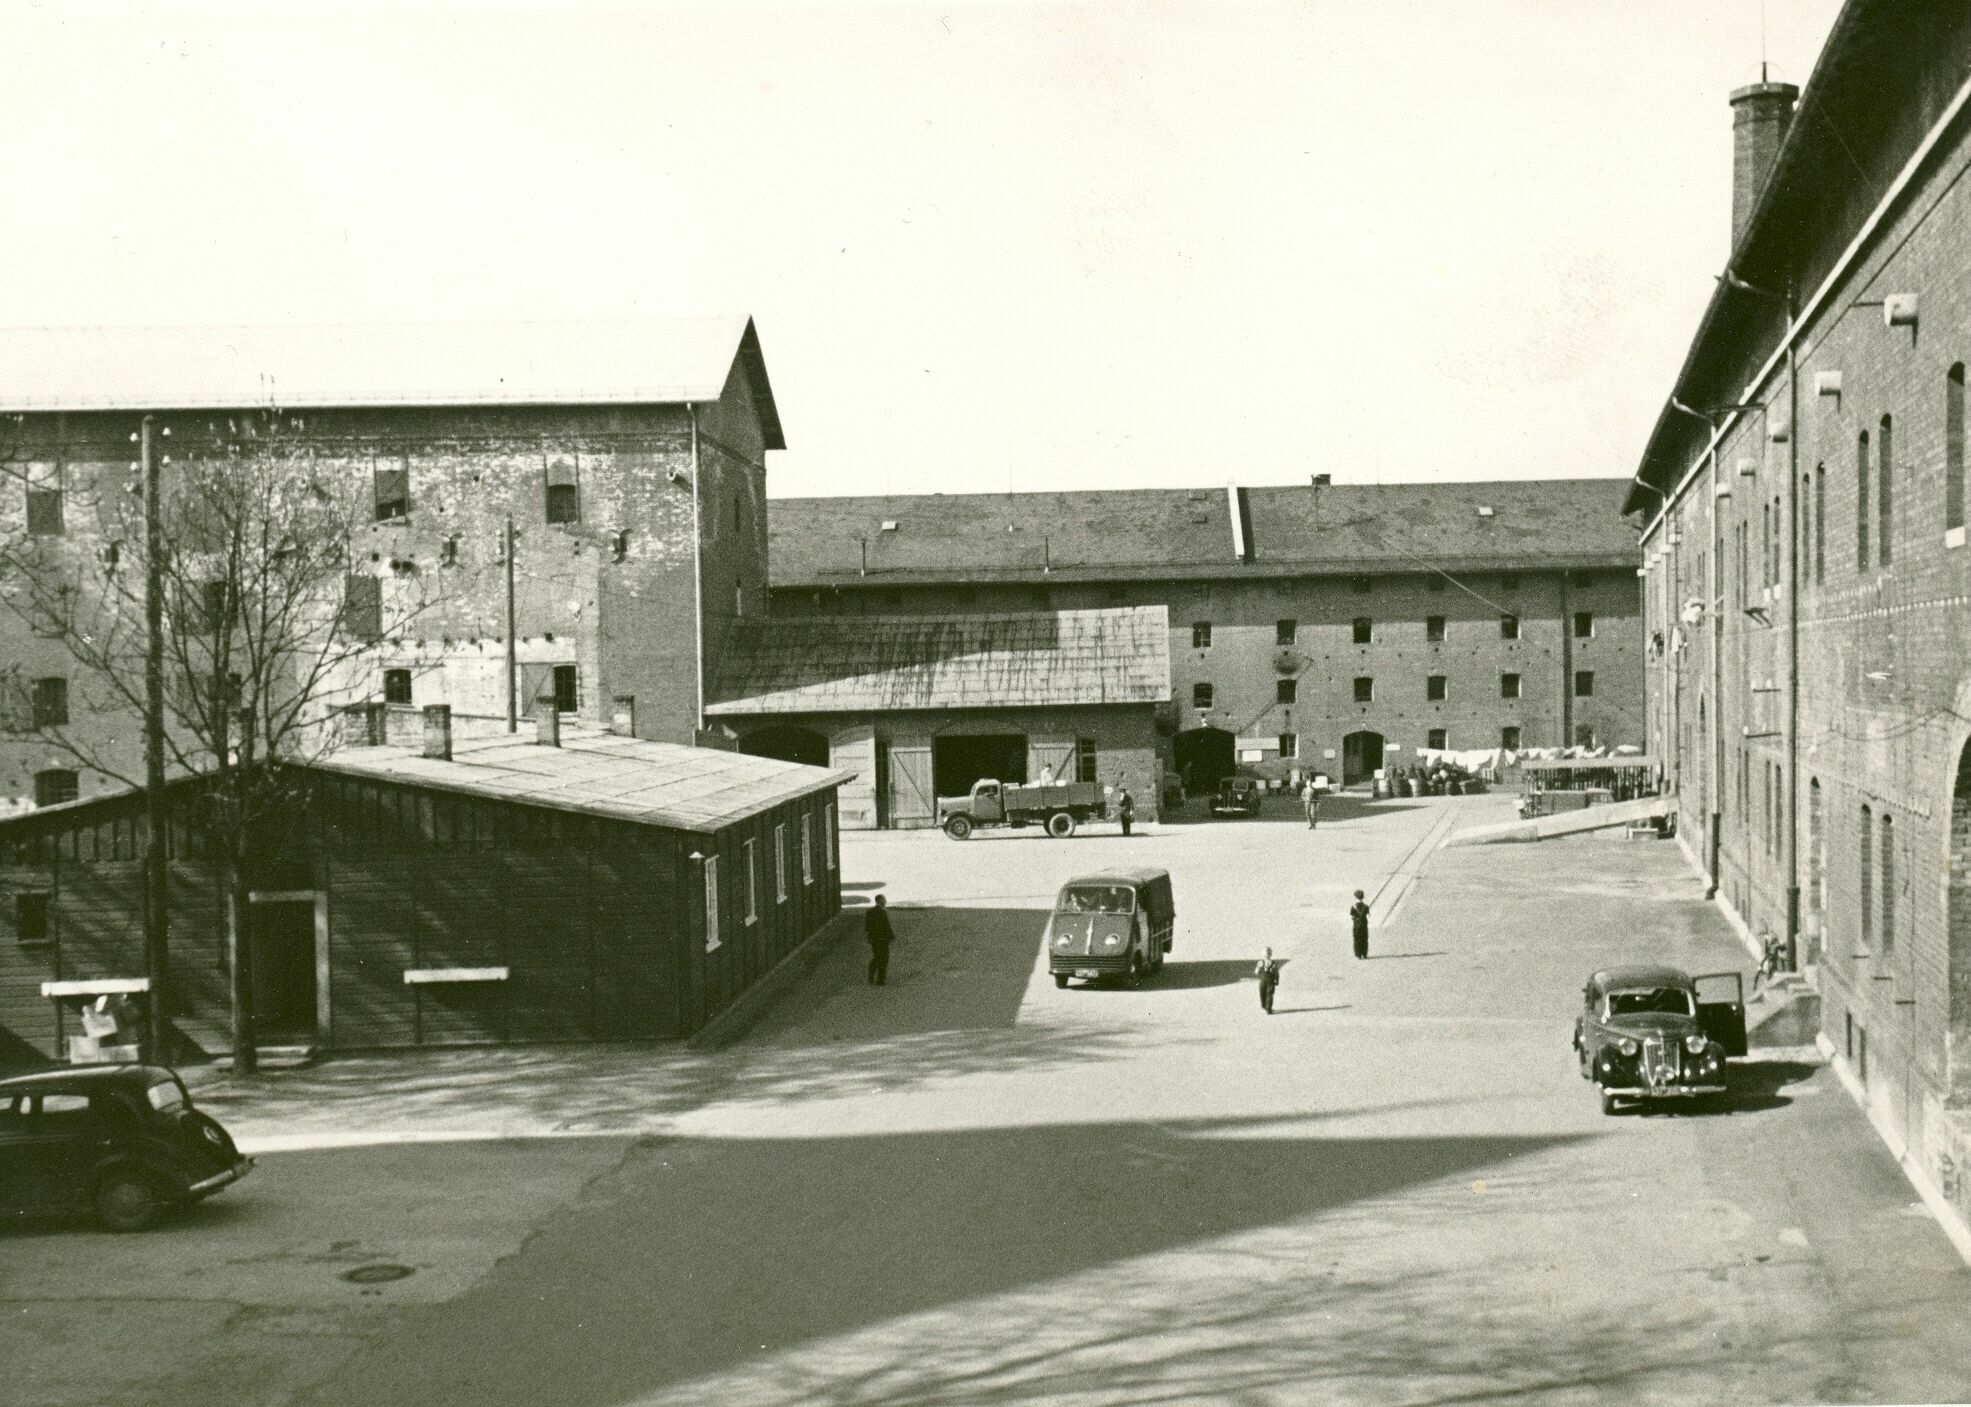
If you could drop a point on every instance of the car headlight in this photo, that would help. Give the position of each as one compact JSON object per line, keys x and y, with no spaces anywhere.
{"x":1110,"y":941}
{"x":1695,"y":1044}
{"x":1062,"y":941}
{"x":1626,"y":1046}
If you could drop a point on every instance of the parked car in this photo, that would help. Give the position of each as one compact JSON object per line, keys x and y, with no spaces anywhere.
{"x":1114,"y":923}
{"x":1237,"y":796}
{"x":1658,"y":1033}
{"x":121,"y":1141}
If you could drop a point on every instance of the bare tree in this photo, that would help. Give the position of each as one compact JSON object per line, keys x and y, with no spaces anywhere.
{"x":268,"y":631}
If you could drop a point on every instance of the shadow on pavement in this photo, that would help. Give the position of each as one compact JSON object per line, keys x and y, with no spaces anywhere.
{"x":1309,"y":1010}
{"x":1185,"y":976}
{"x":683,"y":1266}
{"x":1751,"y":1087}
{"x":1390,"y":957}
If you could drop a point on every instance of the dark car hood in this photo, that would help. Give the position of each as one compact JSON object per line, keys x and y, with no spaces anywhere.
{"x":1644,"y":1023}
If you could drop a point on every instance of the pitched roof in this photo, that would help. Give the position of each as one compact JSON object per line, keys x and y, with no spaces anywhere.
{"x":1142,"y":534}
{"x":656,"y":362}
{"x":886,"y":664}
{"x":594,"y":773}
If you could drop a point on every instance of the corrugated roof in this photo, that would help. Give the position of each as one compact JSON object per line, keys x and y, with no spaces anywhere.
{"x":1140,"y":534}
{"x":886,"y":664}
{"x":594,"y":773}
{"x":652,"y":362}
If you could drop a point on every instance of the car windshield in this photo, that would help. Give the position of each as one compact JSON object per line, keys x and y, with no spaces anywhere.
{"x":1669,"y":1001}
{"x":1098,"y":899}
{"x":166,"y":1096}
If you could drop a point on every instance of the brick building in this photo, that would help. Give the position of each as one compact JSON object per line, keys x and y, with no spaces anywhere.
{"x":1330,"y":627}
{"x":1808,"y":586}
{"x":629,"y":456}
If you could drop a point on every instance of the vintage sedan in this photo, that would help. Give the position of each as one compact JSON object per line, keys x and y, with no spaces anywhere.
{"x":1658,"y":1033}
{"x":1237,"y":796}
{"x":121,"y":1141}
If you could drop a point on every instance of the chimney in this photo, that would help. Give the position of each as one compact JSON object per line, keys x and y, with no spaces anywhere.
{"x":438,"y":731}
{"x":1322,"y":481}
{"x":1761,"y":113}
{"x":547,"y":722}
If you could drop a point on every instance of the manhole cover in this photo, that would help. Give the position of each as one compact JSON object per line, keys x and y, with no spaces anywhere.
{"x":376,"y":1274}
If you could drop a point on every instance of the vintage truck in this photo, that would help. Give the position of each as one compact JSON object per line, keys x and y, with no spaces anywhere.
{"x":1060,"y":806}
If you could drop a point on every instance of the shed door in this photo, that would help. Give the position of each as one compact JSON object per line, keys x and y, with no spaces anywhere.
{"x":911,"y":804}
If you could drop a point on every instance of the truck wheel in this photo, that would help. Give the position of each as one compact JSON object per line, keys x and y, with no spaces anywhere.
{"x":126,"y":1200}
{"x":1060,"y":979}
{"x":1060,"y":825}
{"x":958,"y":827}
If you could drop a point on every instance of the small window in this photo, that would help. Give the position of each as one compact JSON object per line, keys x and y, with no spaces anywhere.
{"x":31,"y":917}
{"x":619,"y":547}
{"x":807,"y":849}
{"x":1201,"y":695}
{"x":1509,"y":738}
{"x":1509,"y":582}
{"x":54,"y":786}
{"x":1584,"y":625}
{"x":780,"y":862}
{"x":751,"y":878}
{"x":1434,"y":629}
{"x":449,"y":552}
{"x":362,"y":607}
{"x":1435,"y":687}
{"x":1289,"y":746}
{"x":396,"y":686}
{"x":1285,"y":690}
{"x":828,"y":835}
{"x":1584,"y":683}
{"x":1861,"y":502}
{"x":1365,"y":630}
{"x":1508,"y":686}
{"x":739,"y":598}
{"x":1508,"y":627}
{"x":44,"y":512}
{"x":564,"y":503}
{"x":50,"y":702}
{"x":392,"y":486}
{"x":1437,"y":739}
{"x":1888,"y":863}
{"x":1365,"y":689}
{"x":711,"y":902}
{"x":1954,"y":484}
{"x":1201,"y":635}
{"x":1284,"y":632}
{"x":1867,"y":875}
{"x":1361,"y":585}
{"x":1084,"y":760}
{"x":1885,"y":486}
{"x":567,"y":688}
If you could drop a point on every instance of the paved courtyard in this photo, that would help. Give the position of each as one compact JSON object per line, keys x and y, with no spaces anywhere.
{"x":971,"y":1187}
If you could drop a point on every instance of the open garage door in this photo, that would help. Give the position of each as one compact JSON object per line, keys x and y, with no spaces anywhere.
{"x":962,"y":759}
{"x":1204,"y":756}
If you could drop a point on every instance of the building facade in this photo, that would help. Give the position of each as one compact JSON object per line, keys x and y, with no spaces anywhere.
{"x":1330,"y":627}
{"x":1808,"y":585}
{"x":627,"y":459}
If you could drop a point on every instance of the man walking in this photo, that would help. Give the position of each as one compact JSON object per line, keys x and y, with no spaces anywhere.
{"x":1125,"y":808}
{"x":876,"y":928}
{"x":1358,"y":917}
{"x":1268,"y":972}
{"x":1312,"y":797}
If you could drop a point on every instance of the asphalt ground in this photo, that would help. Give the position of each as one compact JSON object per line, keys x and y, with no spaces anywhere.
{"x":971,"y":1187}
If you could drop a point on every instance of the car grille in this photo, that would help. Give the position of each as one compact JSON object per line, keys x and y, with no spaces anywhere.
{"x":1118,"y":962}
{"x":1661,"y":1063}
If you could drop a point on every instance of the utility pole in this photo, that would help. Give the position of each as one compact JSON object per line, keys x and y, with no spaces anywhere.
{"x":156,"y":808}
{"x":512,"y":649}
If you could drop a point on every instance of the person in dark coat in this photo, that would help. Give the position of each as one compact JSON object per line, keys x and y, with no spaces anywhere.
{"x":1268,"y":972}
{"x":1358,"y":918}
{"x":1125,"y":808}
{"x":876,"y":928}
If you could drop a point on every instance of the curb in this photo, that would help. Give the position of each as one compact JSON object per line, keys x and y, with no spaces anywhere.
{"x":1933,"y":1198}
{"x":757,"y":1000}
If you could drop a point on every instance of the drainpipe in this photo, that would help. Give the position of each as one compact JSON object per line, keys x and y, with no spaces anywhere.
{"x":1792,"y":636}
{"x":1716,"y":610}
{"x":697,"y":580}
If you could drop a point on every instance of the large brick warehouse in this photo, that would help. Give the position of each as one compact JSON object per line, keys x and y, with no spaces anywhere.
{"x":1332,"y":627}
{"x":1808,"y":583}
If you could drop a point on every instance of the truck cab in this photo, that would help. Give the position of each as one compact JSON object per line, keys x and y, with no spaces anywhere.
{"x":1113,"y":923}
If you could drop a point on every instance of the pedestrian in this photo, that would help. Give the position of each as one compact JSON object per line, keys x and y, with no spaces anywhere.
{"x":876,"y":928}
{"x":1313,"y":800}
{"x":1268,"y":972}
{"x":1125,"y":808}
{"x":1358,"y":917}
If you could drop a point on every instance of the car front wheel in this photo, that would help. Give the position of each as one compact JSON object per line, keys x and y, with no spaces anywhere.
{"x":1060,"y":979}
{"x":1608,"y":1104}
{"x":126,"y":1200}
{"x":958,"y":827}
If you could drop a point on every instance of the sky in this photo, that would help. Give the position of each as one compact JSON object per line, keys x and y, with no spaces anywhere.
{"x":1017,"y":246}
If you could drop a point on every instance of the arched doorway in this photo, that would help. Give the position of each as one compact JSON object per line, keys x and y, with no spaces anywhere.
{"x":786,"y":743}
{"x":1957,"y":902}
{"x":1361,"y":755}
{"x":1203,"y":756}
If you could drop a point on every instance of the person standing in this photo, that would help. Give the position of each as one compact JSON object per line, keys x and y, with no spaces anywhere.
{"x":1313,"y":800}
{"x":1125,"y":808}
{"x":1358,"y":918}
{"x":876,"y":928}
{"x":1268,"y":972}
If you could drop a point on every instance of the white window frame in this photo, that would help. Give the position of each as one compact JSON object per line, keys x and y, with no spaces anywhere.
{"x":711,"y":903}
{"x":752,"y":886}
{"x":780,"y":862}
{"x":828,"y":835}
{"x":807,"y":848}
